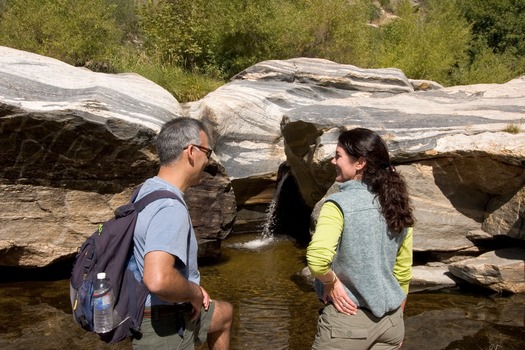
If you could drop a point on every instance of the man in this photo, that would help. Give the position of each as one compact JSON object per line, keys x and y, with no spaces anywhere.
{"x":178,"y":313}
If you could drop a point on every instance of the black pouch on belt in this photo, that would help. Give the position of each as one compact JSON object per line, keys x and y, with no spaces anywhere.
{"x":168,"y":319}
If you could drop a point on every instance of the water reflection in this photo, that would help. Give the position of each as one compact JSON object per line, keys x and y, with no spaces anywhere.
{"x":277,"y":309}
{"x":258,"y":276}
{"x":274,"y":307}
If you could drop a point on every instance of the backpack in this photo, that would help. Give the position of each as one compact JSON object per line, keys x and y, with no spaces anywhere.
{"x":110,"y":249}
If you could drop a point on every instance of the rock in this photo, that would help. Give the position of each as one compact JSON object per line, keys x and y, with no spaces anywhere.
{"x":60,"y":123}
{"x":325,"y":73}
{"x":505,"y":215}
{"x":454,"y":133}
{"x":462,"y":321}
{"x":469,"y":138}
{"x":500,"y":270}
{"x":73,"y":145}
{"x":430,"y":277}
{"x":436,"y":325}
{"x":425,"y":85}
{"x":71,"y":137}
{"x":247,"y":113}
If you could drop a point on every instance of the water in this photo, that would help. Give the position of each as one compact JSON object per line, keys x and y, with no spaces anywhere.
{"x":274,"y":307}
{"x":270,"y":222}
{"x":103,"y":305}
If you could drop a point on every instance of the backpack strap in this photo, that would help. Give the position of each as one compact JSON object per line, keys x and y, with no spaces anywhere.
{"x":155,"y":195}
{"x":152,"y":197}
{"x":139,"y":206}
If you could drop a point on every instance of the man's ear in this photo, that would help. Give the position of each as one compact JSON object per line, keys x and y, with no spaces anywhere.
{"x":191,"y":154}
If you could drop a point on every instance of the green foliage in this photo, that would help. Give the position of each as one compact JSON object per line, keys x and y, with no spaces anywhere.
{"x":218,"y":37}
{"x":183,"y":85}
{"x":126,"y":16}
{"x":339,"y":32}
{"x":426,"y":45}
{"x":190,"y":47}
{"x":175,"y":32}
{"x":250,"y":32}
{"x":497,"y":51}
{"x":485,"y":66}
{"x":501,"y":23}
{"x":72,"y":31}
{"x":513,"y":128}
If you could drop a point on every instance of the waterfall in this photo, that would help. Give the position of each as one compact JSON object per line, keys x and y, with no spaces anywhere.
{"x":270,"y":222}
{"x":266,"y":236}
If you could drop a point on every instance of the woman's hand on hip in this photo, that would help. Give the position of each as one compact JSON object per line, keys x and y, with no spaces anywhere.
{"x":340,"y":299}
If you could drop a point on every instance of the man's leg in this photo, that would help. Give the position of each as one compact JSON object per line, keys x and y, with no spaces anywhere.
{"x":221,"y":324}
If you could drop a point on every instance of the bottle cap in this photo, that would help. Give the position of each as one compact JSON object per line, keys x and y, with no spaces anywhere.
{"x":101,"y":275}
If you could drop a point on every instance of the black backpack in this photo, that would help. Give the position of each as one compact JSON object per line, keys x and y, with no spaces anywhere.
{"x":110,"y":250}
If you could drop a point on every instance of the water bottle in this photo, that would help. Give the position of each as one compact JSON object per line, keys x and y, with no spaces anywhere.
{"x":103,"y":304}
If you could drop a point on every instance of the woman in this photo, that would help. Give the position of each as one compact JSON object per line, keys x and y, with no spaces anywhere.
{"x":361,"y":251}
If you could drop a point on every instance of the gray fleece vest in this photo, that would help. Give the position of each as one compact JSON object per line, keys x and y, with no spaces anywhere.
{"x":366,"y":254}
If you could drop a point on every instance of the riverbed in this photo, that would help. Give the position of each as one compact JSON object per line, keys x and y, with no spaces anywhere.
{"x":275,"y":308}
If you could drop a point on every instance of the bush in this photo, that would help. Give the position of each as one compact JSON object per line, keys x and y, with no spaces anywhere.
{"x":201,"y":43}
{"x":499,"y":23}
{"x":485,"y":66}
{"x":426,"y":45}
{"x":177,"y":32}
{"x":183,"y":85}
{"x":76,"y":32}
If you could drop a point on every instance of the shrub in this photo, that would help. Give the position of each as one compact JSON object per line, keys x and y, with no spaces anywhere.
{"x":73,"y":31}
{"x":513,"y":128}
{"x":183,"y":85}
{"x":426,"y":45}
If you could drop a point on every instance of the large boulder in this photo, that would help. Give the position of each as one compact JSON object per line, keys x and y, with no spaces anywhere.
{"x":74,"y":144}
{"x":464,"y":171}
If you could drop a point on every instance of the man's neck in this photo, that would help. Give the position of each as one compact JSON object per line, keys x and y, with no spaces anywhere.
{"x":174,"y":176}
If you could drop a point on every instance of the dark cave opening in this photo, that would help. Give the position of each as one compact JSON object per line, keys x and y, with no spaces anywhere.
{"x":291,"y":215}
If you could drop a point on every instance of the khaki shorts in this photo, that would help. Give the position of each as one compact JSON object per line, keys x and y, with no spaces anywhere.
{"x":174,"y":330}
{"x":361,"y":331}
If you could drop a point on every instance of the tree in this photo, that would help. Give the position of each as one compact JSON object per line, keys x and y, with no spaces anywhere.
{"x":499,"y":23}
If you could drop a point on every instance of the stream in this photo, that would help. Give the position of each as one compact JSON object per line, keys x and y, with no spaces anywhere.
{"x":275,"y":308}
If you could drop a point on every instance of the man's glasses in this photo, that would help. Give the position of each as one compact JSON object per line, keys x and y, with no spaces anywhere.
{"x":206,"y":150}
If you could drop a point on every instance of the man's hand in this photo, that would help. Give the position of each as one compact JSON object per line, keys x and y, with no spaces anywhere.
{"x":206,"y":300}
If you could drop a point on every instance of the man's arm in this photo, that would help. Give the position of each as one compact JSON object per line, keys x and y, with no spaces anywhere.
{"x":166,"y":282}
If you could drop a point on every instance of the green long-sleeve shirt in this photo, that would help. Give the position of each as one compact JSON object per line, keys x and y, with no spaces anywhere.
{"x":323,"y":246}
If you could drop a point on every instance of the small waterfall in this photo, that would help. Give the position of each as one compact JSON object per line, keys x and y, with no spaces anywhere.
{"x":270,"y":223}
{"x":287,"y":215}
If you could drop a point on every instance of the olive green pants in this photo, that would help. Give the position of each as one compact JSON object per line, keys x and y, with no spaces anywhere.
{"x":174,"y":330}
{"x":362,"y":331}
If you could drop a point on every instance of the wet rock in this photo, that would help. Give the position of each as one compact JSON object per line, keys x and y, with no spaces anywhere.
{"x":501,"y":270}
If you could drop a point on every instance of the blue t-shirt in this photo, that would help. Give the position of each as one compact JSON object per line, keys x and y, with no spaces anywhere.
{"x":165,"y":225}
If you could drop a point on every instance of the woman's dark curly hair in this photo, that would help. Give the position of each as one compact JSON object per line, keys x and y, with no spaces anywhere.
{"x":380,"y":176}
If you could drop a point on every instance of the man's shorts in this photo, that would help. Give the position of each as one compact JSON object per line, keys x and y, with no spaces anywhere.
{"x":169,"y":327}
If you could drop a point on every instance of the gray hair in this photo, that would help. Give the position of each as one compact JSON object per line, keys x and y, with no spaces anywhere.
{"x":175,"y":135}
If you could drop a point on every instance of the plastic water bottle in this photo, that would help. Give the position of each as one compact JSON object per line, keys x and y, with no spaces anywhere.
{"x":103,"y":304}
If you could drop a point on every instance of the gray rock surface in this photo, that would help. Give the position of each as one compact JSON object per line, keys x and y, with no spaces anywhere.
{"x":465,"y":173}
{"x":71,"y":138}
{"x":73,"y":145}
{"x":501,"y":270}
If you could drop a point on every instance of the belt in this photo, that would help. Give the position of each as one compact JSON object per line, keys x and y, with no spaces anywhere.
{"x":164,"y":310}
